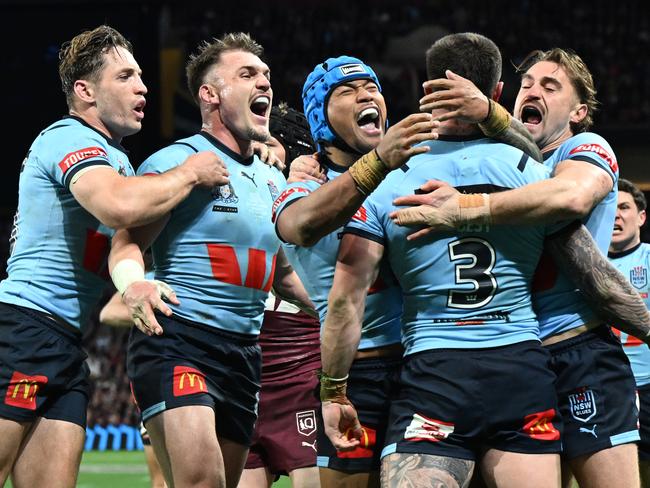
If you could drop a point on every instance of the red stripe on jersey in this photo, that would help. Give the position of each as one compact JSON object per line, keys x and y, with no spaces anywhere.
{"x":256,"y":269}
{"x":225,"y":266}
{"x":269,"y":282}
{"x":96,"y":253}
{"x":70,"y":159}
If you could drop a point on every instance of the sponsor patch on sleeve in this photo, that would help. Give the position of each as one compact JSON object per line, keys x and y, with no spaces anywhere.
{"x":360,"y":215}
{"x":283,"y":197}
{"x":600,"y":151}
{"x":85,"y":154}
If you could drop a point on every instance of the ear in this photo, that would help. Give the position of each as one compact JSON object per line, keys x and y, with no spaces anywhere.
{"x":578,"y":113}
{"x":209,"y":94}
{"x":496,"y":94}
{"x":642,"y":216}
{"x":84,"y":90}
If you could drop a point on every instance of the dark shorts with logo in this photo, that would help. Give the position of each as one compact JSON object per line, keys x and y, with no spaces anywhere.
{"x":596,"y":392}
{"x":192,"y":364}
{"x":43,"y":372}
{"x":458,"y":402}
{"x":372,"y":386}
{"x":285,"y":433}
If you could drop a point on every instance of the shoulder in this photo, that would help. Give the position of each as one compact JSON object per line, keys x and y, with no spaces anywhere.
{"x":167,"y":158}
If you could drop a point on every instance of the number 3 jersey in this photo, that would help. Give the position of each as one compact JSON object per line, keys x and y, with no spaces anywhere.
{"x":59,"y":250}
{"x":466,"y":289}
{"x":218,"y":250}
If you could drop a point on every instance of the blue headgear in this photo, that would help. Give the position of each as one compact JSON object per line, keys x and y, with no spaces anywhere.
{"x":319,"y":86}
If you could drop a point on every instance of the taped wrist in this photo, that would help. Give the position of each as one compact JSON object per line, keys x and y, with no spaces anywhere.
{"x":126,"y":272}
{"x":497,"y":121}
{"x":368,"y":171}
{"x":475,"y":208}
{"x":333,"y":389}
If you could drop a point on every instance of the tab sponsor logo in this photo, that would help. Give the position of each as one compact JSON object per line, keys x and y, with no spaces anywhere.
{"x":600,"y":151}
{"x":81,"y":155}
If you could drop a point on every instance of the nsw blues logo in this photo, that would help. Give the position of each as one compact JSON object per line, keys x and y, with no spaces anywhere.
{"x":582,"y":405}
{"x":225,"y":194}
{"x":639,"y":277}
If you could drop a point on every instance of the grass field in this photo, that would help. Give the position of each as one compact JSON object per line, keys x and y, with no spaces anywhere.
{"x":122,"y":469}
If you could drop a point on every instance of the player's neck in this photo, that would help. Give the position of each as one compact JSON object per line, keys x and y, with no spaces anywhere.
{"x":456,"y":128}
{"x":91,"y":117}
{"x":243,"y":147}
{"x":340,"y":157}
{"x":554,"y":144}
{"x":621,"y":247}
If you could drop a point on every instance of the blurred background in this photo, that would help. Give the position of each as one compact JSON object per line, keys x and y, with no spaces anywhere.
{"x":392,"y":36}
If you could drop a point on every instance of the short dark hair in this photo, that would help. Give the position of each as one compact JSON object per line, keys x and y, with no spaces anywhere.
{"x":580,"y":76}
{"x":82,"y":58}
{"x":469,"y":55}
{"x":637,"y":195}
{"x":209,"y":54}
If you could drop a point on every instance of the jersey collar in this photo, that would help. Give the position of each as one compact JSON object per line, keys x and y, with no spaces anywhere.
{"x":110,"y":141}
{"x":223,"y":148}
{"x":616,"y":255}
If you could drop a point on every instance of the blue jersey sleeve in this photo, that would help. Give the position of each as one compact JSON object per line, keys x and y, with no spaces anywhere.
{"x":590,"y":148}
{"x":80,"y":148}
{"x":291,"y":193}
{"x":366,"y":222}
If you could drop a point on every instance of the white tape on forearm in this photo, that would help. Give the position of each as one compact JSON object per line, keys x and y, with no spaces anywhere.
{"x":126,"y":272}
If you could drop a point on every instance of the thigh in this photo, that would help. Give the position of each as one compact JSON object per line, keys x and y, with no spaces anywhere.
{"x":256,"y":478}
{"x":614,"y":467}
{"x":186,"y":445}
{"x":425,"y":470}
{"x":305,"y":477}
{"x":234,"y":458}
{"x":35,"y":464}
{"x":508,"y":469}
{"x":12,"y":434}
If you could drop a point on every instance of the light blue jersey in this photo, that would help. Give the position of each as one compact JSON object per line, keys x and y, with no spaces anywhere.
{"x":59,"y":250}
{"x":218,"y":250}
{"x":471,"y":288}
{"x":635,"y":266}
{"x":559,"y":305}
{"x":315,"y":266}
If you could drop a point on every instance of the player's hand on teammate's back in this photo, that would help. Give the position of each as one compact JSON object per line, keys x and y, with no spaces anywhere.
{"x":398,"y":145}
{"x":342,"y":425}
{"x":142,"y":298}
{"x":267,"y":155}
{"x":461,"y":99}
{"x":306,"y":168}
{"x":436,"y":207}
{"x":209,"y":169}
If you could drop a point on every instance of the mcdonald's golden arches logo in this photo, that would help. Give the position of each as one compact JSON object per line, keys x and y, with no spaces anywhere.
{"x":22,"y":390}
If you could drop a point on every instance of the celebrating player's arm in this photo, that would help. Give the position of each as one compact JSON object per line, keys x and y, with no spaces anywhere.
{"x":307,"y":220}
{"x":463,"y":101}
{"x":126,"y":265}
{"x":288,"y":287}
{"x":120,"y":202}
{"x":357,"y":268}
{"x":609,"y":293}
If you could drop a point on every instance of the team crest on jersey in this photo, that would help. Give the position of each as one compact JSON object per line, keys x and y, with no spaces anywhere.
{"x":306,"y":422}
{"x":275,"y":193}
{"x":582,"y":405}
{"x":422,"y":428}
{"x":225,"y":194}
{"x":639,"y":276}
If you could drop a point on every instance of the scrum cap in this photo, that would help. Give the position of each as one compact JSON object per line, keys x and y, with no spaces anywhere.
{"x":290,"y":127}
{"x":319,"y":86}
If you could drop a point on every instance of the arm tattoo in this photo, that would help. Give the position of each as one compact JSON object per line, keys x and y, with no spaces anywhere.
{"x":604,"y":287}
{"x":518,"y":136}
{"x":405,"y":470}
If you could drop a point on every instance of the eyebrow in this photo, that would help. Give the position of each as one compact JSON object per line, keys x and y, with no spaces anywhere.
{"x":543,"y":80}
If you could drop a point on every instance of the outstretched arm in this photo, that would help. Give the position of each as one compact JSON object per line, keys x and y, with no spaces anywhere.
{"x":606,"y":289}
{"x":310,"y":218}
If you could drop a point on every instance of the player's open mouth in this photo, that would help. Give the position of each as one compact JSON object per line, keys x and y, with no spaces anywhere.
{"x":617,"y":228}
{"x":260,"y":106}
{"x":368,"y":119}
{"x":139,"y":109}
{"x":531,"y":115}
